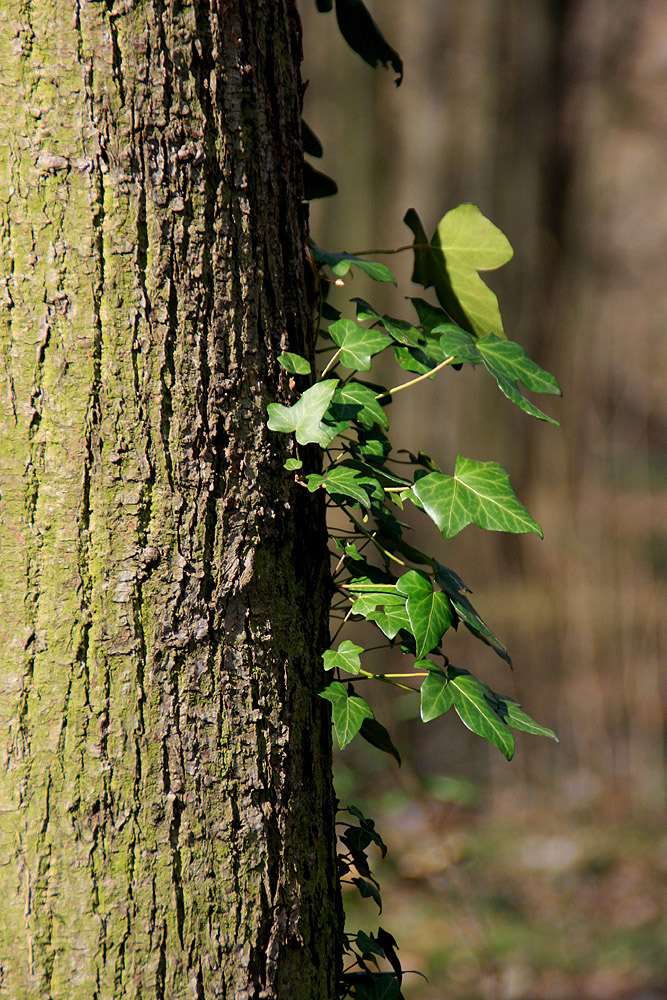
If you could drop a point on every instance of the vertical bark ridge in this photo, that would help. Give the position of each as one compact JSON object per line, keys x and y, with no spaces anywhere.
{"x":166,"y":812}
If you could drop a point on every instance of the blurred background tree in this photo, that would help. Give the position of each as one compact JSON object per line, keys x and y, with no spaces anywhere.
{"x":551,"y":115}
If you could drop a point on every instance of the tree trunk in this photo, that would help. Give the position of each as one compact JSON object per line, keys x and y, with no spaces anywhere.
{"x":166,"y":808}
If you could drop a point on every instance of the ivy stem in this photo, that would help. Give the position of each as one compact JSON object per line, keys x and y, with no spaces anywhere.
{"x":407,"y":246}
{"x":332,"y":361}
{"x":414,"y":381}
{"x":390,"y":555}
{"x":338,"y":630}
{"x":366,"y":675}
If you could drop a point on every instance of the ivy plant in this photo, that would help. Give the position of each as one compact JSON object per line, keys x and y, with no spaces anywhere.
{"x":409,"y":596}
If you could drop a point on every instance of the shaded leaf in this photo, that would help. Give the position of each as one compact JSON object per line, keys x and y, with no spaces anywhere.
{"x":477,"y":708}
{"x":456,"y":590}
{"x":294,"y":363}
{"x":456,"y":343}
{"x":357,"y":344}
{"x":324,"y":6}
{"x":375,"y":734}
{"x":436,"y":695}
{"x":429,"y":611}
{"x":388,"y":944}
{"x":478,"y":493}
{"x":304,"y":419}
{"x":367,"y":945}
{"x":514,"y":716}
{"x":316,"y":184}
{"x":311,"y":144}
{"x":346,"y":657}
{"x":363,"y":35}
{"x":381,"y":986}
{"x":369,"y":891}
{"x":348,"y":711}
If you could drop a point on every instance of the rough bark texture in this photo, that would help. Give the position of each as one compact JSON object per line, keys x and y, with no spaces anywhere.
{"x":166,"y":811}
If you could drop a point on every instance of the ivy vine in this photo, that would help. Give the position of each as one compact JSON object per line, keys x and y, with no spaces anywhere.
{"x":411,"y":598}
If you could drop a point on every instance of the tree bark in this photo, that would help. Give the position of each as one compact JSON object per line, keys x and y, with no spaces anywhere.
{"x":166,"y":807}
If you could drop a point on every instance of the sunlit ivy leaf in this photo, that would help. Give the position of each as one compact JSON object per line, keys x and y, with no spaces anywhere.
{"x":421,"y":359}
{"x":348,"y":711}
{"x":478,"y":493}
{"x":316,"y":184}
{"x":464,"y":243}
{"x":435,"y":694}
{"x":382,"y":474}
{"x":429,"y":611}
{"x":357,"y":344}
{"x":514,"y":716}
{"x":375,"y":734}
{"x":346,"y":657}
{"x":456,"y":590}
{"x":293,"y":463}
{"x":476,"y":707}
{"x":354,"y":401}
{"x":380,"y":986}
{"x":509,"y":364}
{"x":341,"y":482}
{"x":294,"y":363}
{"x":363,"y":35}
{"x":391,"y":619}
{"x":304,"y":419}
{"x":341,"y":262}
{"x":456,"y":343}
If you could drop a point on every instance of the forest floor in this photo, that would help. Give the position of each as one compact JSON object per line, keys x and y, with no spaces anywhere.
{"x":522,"y":898}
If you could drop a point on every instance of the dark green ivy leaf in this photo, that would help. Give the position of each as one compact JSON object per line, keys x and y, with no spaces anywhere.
{"x":368,"y":891}
{"x":388,"y":944}
{"x":382,"y":986}
{"x":311,"y":144}
{"x":375,"y":734}
{"x":363,"y":35}
{"x":324,"y":6}
{"x":316,"y":184}
{"x":456,"y":590}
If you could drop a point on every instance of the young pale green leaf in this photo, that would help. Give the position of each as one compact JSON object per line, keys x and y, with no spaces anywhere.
{"x":375,"y":734}
{"x":363,"y":35}
{"x":304,"y":419}
{"x":357,"y":344}
{"x":378,"y":986}
{"x":294,"y":363}
{"x":464,"y":243}
{"x":348,"y":711}
{"x":357,"y":402}
{"x":346,"y":657}
{"x":429,"y":611}
{"x":340,"y":263}
{"x":509,"y":364}
{"x":435,"y":694}
{"x":513,"y":715}
{"x":293,"y":463}
{"x":477,"y":708}
{"x":456,"y":590}
{"x":478,"y":493}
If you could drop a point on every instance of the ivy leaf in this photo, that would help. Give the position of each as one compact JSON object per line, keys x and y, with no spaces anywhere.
{"x":311,"y":144}
{"x":341,"y":262}
{"x":363,"y":35}
{"x":429,"y":611}
{"x":304,"y":419}
{"x":402,"y":332}
{"x":514,"y":716}
{"x":341,"y":481}
{"x":456,"y":343}
{"x":348,"y":711}
{"x":383,"y":475}
{"x":357,"y":344}
{"x":316,"y":184}
{"x":324,"y":6}
{"x":477,"y":709}
{"x":358,"y":402}
{"x":346,"y":657}
{"x":478,"y":493}
{"x":369,"y":891}
{"x":429,"y":316}
{"x":294,"y":363}
{"x":292,"y":464}
{"x":464,"y":243}
{"x":381,"y":986}
{"x":367,"y":945}
{"x":456,"y":590}
{"x":375,"y":734}
{"x":509,"y":364}
{"x":388,"y":943}
{"x":391,"y":619}
{"x":436,"y":695}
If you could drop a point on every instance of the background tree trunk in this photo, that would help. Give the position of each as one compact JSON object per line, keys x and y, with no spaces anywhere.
{"x":166,"y":809}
